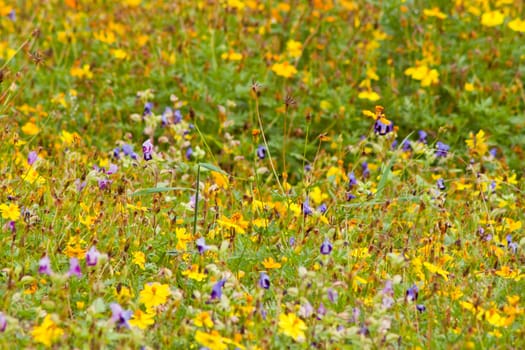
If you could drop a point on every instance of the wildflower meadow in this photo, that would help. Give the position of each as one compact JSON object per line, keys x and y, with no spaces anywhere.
{"x":262,"y":174}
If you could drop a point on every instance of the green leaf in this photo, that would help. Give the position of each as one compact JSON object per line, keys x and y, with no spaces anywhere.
{"x":159,"y":189}
{"x":212,"y":168}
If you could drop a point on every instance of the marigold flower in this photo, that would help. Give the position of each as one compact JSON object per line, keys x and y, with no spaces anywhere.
{"x":292,"y":326}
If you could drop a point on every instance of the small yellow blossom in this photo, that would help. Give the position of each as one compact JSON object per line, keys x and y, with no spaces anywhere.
{"x":369,"y":95}
{"x":123,"y":294}
{"x":75,"y":247}
{"x":269,"y":263}
{"x":119,"y":54}
{"x":236,"y":222}
{"x":194,"y":273}
{"x":284,"y":69}
{"x":477,"y":143}
{"x":48,"y":332}
{"x":232,"y":56}
{"x":212,"y":341}
{"x":203,"y":319}
{"x":10,"y":211}
{"x":139,"y":259}
{"x":434,"y":12}
{"x":294,"y":48}
{"x":82,"y":72}
{"x":154,"y":294}
{"x":292,"y":326}
{"x":30,"y":128}
{"x":517,"y":25}
{"x":141,"y":319}
{"x":492,"y":18}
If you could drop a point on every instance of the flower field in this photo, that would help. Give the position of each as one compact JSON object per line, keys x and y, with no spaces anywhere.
{"x":256,"y":174}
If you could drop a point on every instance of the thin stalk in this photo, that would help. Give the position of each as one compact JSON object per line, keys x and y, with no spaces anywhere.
{"x":196,"y":200}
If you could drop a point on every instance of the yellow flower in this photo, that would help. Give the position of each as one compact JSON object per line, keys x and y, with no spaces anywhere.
{"x":123,"y":294}
{"x":294,"y":48}
{"x":203,"y":319}
{"x":132,"y":3}
{"x":424,"y":74}
{"x":194,"y":273}
{"x":48,"y":332}
{"x":292,"y":326}
{"x":517,"y":25}
{"x":74,"y":247}
{"x":436,"y":269}
{"x":477,"y":143}
{"x":30,"y":128}
{"x":139,"y":259}
{"x":105,"y":36}
{"x":434,"y":12}
{"x":369,"y":95}
{"x":10,"y":211}
{"x":154,"y":294}
{"x":32,"y":176}
{"x":212,"y":341}
{"x":119,"y":54}
{"x":469,"y":87}
{"x":236,"y":222}
{"x":68,"y":138}
{"x":84,"y":72}
{"x":492,"y":18}
{"x":220,"y":179}
{"x":231,"y":56}
{"x":285,"y":69}
{"x":269,"y":263}
{"x":183,"y":238}
{"x":142,"y":319}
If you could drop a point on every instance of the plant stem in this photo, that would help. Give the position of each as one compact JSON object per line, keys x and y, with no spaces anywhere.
{"x":196,"y":209}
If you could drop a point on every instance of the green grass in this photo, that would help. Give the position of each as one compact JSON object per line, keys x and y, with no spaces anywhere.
{"x":75,"y":82}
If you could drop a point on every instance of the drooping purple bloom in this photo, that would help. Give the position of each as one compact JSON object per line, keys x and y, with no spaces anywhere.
{"x":201,"y":245}
{"x":12,"y":15}
{"x":388,"y":295}
{"x":189,"y":153}
{"x":104,"y":184}
{"x":44,"y":266}
{"x":492,"y":186}
{"x":291,"y":241}
{"x":326,"y":247}
{"x":394,"y":144}
{"x":120,"y":316}
{"x":3,"y":322}
{"x":441,"y":184}
{"x":147,"y":108}
{"x":352,"y":181}
{"x":74,"y":268}
{"x":442,"y":149}
{"x":178,"y":117}
{"x":80,"y":185}
{"x":350,"y":196}
{"x":306,"y":310}
{"x":167,"y":113}
{"x":307,"y":168}
{"x":128,"y":151}
{"x":264,"y":280}
{"x":321,"y":311}
{"x":261,"y":152}
{"x":493,"y":152}
{"x":422,"y":136}
{"x":32,"y":157}
{"x":383,"y":128}
{"x":406,"y":147}
{"x":510,"y":244}
{"x":112,"y":169}
{"x":366,"y":171}
{"x":307,"y":210}
{"x":92,"y":256}
{"x":147,"y":150}
{"x":356,"y":313}
{"x":216,"y":291}
{"x":412,"y":293}
{"x":332,"y":295}
{"x":322,"y":208}
{"x":12,"y":226}
{"x":263,"y":312}
{"x":421,"y":307}
{"x":363,"y":331}
{"x":116,"y":153}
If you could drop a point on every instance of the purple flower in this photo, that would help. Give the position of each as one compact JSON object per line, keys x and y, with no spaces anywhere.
{"x":493,"y":152}
{"x":326,"y":247}
{"x":412,"y":293}
{"x":306,"y":310}
{"x":350,"y":196}
{"x":383,"y":128}
{"x":12,"y":226}
{"x":307,"y":168}
{"x":74,"y":268}
{"x":119,"y":315}
{"x":366,"y":171}
{"x":12,"y":15}
{"x":261,"y":152}
{"x":394,"y":144}
{"x":352,"y":181}
{"x":511,"y":245}
{"x":441,"y":184}
{"x":322,"y":208}
{"x":3,"y":322}
{"x":321,"y":311}
{"x":307,"y":210}
{"x":442,"y":149}
{"x":201,"y":245}
{"x":388,"y":294}
{"x":112,"y":169}
{"x":422,"y":136}
{"x":363,"y":331}
{"x":32,"y":157}
{"x":332,"y":295}
{"x":420,"y":307}
{"x":216,"y":291}
{"x":116,"y":153}
{"x":147,"y":108}
{"x":44,"y":266}
{"x":80,"y":185}
{"x":264,"y":281}
{"x":92,"y":256}
{"x":291,"y":241}
{"x":128,"y":151}
{"x":167,"y":113}
{"x":104,"y":184}
{"x":147,"y":150}
{"x":406,"y":146}
{"x":189,"y":153}
{"x":178,"y":117}
{"x":355,"y":314}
